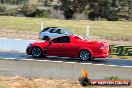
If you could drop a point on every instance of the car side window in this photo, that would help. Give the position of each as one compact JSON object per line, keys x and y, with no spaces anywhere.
{"x":52,"y":31}
{"x":64,"y":39}
{"x":45,"y":29}
{"x":60,"y":31}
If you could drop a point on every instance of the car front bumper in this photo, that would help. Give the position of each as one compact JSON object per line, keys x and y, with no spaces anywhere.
{"x":29,"y":50}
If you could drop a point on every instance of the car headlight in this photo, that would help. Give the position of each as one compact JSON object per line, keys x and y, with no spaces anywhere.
{"x":29,"y":45}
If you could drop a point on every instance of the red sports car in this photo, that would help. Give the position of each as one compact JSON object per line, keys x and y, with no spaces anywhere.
{"x":69,"y":46}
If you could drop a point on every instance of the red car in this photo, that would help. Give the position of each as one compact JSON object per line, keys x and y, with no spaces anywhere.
{"x":69,"y":46}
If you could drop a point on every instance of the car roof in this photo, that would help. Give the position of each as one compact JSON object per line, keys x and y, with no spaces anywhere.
{"x":55,"y":28}
{"x":49,"y":28}
{"x":66,"y":36}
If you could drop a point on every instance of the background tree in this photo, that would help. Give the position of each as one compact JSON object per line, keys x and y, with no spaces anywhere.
{"x":130,"y":9}
{"x":98,"y":8}
{"x":92,"y":9}
{"x":72,"y":6}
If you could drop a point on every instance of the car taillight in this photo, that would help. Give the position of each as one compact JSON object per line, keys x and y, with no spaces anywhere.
{"x":104,"y":46}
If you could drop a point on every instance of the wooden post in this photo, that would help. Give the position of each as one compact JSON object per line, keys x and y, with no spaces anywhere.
{"x":42,"y":25}
{"x":87,"y":31}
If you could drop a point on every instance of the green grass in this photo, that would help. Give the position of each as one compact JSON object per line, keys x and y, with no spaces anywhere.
{"x":118,"y":29}
{"x":113,"y":78}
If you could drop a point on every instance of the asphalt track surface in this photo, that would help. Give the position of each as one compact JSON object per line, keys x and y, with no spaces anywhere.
{"x":65,"y":68}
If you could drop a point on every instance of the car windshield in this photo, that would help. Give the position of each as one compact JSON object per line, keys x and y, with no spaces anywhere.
{"x":79,"y":37}
{"x":45,"y":29}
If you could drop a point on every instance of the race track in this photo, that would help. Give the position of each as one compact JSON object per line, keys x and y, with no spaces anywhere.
{"x":59,"y":68}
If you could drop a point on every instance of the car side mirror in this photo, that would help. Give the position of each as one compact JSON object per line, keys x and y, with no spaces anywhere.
{"x":66,"y":33}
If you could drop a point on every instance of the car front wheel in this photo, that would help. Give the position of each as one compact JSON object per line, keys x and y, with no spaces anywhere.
{"x":36,"y":52}
{"x":85,"y":55}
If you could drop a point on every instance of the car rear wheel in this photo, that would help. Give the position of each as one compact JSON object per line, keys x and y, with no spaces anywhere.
{"x":85,"y":55}
{"x":36,"y":52}
{"x":46,"y":38}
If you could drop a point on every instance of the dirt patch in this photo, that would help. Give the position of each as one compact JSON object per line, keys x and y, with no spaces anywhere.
{"x":21,"y":82}
{"x":14,"y":34}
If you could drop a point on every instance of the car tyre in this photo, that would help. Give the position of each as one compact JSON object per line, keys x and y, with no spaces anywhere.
{"x":85,"y":55}
{"x":46,"y":38}
{"x":36,"y":52}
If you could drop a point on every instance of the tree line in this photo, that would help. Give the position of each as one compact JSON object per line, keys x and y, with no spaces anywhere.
{"x":16,"y":2}
{"x":111,"y":10}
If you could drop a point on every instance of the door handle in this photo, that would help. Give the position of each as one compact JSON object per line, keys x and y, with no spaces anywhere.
{"x":61,"y":45}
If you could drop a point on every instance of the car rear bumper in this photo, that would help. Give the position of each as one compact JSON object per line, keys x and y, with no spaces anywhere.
{"x":103,"y":55}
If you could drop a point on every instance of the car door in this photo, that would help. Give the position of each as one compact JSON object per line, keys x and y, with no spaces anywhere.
{"x":70,"y":47}
{"x":58,"y":46}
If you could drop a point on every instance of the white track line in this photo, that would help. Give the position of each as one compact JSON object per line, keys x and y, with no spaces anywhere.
{"x":42,"y":60}
{"x":26,"y":59}
{"x":3,"y":38}
{"x":126,"y":66}
{"x":66,"y":62}
{"x":118,"y":59}
{"x":57,"y":61}
{"x":99,"y":64}
{"x":85,"y":63}
{"x":70,"y":62}
{"x":10,"y":58}
{"x":112,"y":65}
